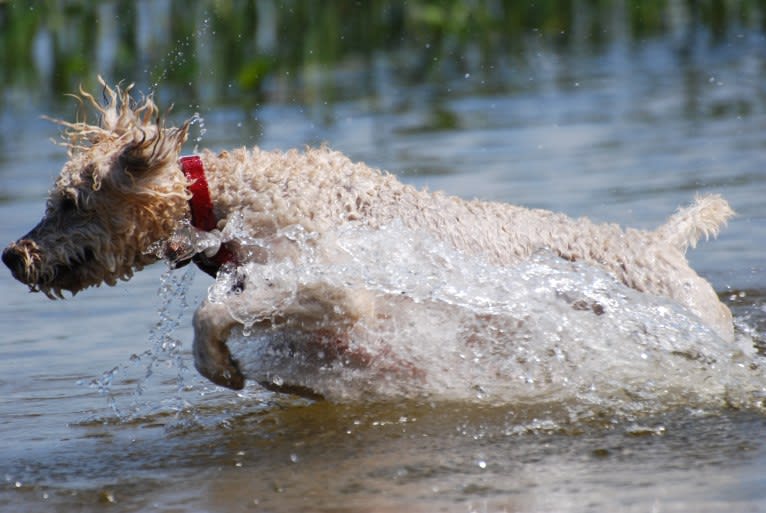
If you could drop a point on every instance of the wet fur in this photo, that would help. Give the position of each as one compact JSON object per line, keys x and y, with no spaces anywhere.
{"x":122,"y":191}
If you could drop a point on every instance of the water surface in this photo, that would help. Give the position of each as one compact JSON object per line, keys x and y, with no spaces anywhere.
{"x":100,"y":408}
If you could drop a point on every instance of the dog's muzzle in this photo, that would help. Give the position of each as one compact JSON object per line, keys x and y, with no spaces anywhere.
{"x":17,"y":257}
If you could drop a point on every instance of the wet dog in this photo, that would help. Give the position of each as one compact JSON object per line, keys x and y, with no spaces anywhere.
{"x":126,"y":188}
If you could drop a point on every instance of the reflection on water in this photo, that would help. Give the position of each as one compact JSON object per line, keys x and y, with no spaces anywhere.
{"x":250,"y":53}
{"x":620,"y":112}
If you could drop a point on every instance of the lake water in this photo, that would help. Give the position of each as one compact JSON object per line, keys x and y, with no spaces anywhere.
{"x":101,"y":409}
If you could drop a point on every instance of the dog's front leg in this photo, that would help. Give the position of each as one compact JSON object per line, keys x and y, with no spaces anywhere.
{"x":212,"y":325}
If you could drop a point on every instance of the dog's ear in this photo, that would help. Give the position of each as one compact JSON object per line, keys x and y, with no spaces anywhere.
{"x":179,"y":135}
{"x":152,"y":148}
{"x":134,"y":158}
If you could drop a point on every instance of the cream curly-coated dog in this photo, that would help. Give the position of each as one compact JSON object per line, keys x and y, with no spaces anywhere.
{"x":125,"y":188}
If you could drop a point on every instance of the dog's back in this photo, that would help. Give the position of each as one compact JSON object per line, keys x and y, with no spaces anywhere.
{"x":321,"y":189}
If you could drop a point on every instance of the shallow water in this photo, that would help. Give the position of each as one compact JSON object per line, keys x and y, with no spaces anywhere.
{"x":100,"y":407}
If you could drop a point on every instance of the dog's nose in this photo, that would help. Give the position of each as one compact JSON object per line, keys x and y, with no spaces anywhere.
{"x":12,"y":258}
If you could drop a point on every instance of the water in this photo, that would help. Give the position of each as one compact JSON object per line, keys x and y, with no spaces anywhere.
{"x":100,"y":407}
{"x":545,"y":330}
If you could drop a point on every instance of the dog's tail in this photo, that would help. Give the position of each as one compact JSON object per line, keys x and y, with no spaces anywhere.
{"x":703,"y":218}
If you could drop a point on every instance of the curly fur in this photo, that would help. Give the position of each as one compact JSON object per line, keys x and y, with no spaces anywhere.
{"x":122,"y":190}
{"x":113,"y":198}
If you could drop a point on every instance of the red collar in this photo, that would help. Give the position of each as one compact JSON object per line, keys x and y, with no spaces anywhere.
{"x":202,"y":215}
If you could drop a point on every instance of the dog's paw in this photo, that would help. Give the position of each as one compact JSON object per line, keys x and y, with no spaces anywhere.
{"x":228,"y":375}
{"x":212,"y":357}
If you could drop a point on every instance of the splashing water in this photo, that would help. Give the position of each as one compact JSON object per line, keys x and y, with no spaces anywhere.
{"x":174,"y":305}
{"x":165,"y":353}
{"x":393,"y":313}
{"x":198,"y":120}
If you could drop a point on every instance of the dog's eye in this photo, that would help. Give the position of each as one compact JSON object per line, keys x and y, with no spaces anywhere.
{"x":68,"y":205}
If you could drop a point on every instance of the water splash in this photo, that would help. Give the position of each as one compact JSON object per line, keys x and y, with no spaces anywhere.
{"x":361,"y":314}
{"x":185,"y":242}
{"x":185,"y":48}
{"x":198,"y":120}
{"x":165,"y":354}
{"x":103,"y":384}
{"x":165,"y":346}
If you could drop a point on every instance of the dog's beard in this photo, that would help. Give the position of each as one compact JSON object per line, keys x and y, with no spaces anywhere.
{"x":80,"y":272}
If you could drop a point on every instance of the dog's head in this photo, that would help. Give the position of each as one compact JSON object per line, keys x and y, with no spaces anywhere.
{"x":120,"y":191}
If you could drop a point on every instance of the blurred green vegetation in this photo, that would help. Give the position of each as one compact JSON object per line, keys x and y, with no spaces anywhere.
{"x":230,"y":48}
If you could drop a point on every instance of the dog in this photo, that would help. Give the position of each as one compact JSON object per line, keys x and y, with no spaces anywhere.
{"x":126,"y":193}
